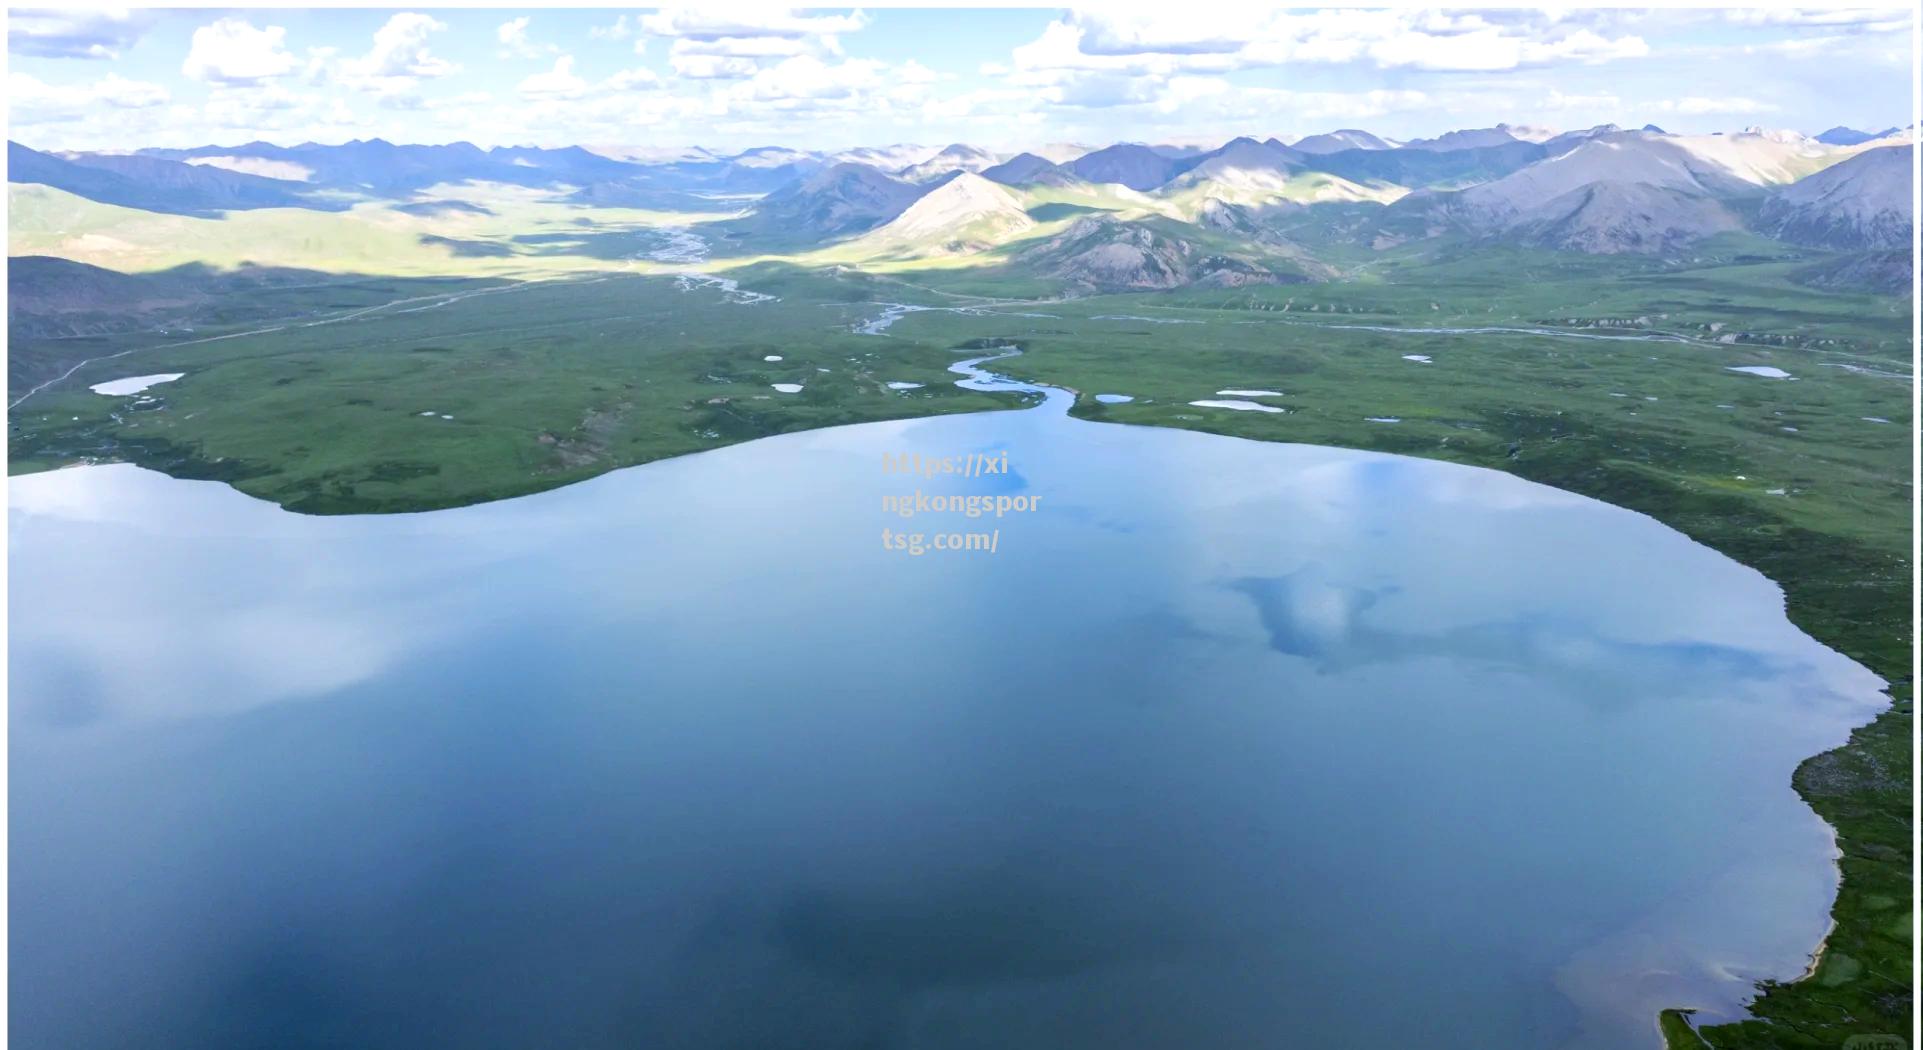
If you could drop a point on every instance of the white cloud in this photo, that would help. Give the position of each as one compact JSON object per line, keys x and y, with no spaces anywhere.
{"x":1222,"y":31}
{"x":268,"y":169}
{"x":33,"y":101}
{"x":1218,"y":41}
{"x":913,"y":72}
{"x":117,"y":91}
{"x":745,"y":47}
{"x":515,"y":43}
{"x":806,"y":78}
{"x":400,"y":49}
{"x":1868,"y":19}
{"x":617,"y":30}
{"x":1698,"y":106}
{"x":714,"y":46}
{"x":629,"y":79}
{"x":232,"y":51}
{"x":1356,"y":105}
{"x":1092,"y":60}
{"x":713,"y":67}
{"x":1492,"y":50}
{"x":778,"y":98}
{"x":265,"y":108}
{"x":562,"y":82}
{"x":1598,"y":102}
{"x":464,"y":100}
{"x":74,"y":34}
{"x":559,"y":82}
{"x":709,"y":25}
{"x":783,"y":77}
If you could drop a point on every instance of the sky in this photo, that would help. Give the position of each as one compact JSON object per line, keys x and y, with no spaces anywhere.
{"x":1000,"y":78}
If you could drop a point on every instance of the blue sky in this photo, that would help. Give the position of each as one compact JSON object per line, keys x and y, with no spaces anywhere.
{"x":1005,"y":79}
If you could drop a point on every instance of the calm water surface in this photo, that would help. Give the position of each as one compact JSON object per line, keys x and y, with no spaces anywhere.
{"x":1229,"y":744}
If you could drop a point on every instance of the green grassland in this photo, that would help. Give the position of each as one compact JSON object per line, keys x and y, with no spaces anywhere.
{"x":551,"y":381}
{"x":547,"y":383}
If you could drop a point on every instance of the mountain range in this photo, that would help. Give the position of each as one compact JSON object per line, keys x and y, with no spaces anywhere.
{"x":1127,"y":214}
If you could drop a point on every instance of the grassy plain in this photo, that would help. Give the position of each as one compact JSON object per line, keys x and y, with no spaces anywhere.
{"x":1616,"y":385}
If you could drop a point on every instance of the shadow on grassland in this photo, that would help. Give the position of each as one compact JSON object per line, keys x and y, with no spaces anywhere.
{"x":61,"y":312}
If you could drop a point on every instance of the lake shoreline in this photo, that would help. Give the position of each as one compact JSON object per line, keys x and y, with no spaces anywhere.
{"x":978,"y":378}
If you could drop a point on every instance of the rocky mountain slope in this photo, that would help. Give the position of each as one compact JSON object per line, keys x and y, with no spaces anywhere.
{"x":1337,"y":141}
{"x":1128,"y":164}
{"x":1106,"y":253}
{"x":1884,"y":272}
{"x":1617,"y":192}
{"x":1125,"y":215}
{"x":968,"y":213}
{"x":1759,"y":157}
{"x":844,"y":199}
{"x":1863,"y":203}
{"x":1427,"y":169}
{"x":156,"y":184}
{"x":1842,"y":136}
{"x":1026,"y":169}
{"x":958,"y":157}
{"x":1241,"y":164}
{"x":1470,"y":138}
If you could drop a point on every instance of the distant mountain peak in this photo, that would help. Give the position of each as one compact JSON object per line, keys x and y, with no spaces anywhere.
{"x":956,"y":156}
{"x":1128,"y":164}
{"x":1339,"y":140}
{"x":1842,"y":136}
{"x":1025,"y":168}
{"x":1469,"y":138}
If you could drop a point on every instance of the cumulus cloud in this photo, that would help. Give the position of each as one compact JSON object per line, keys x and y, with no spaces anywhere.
{"x":74,"y":34}
{"x":559,"y":82}
{"x":617,"y":30}
{"x":514,"y":40}
{"x":562,"y":82}
{"x":784,"y":76}
{"x":807,"y":79}
{"x":233,"y":51}
{"x":1492,"y":50}
{"x":400,"y":50}
{"x":397,"y":61}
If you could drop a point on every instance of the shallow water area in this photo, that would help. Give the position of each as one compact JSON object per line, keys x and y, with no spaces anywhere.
{"x":134,"y":384}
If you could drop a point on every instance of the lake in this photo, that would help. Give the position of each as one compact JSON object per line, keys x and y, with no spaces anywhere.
{"x":1225,"y":744}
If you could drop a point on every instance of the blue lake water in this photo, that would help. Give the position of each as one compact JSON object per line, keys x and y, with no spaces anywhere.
{"x":1227,"y":744}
